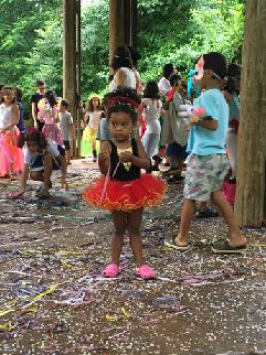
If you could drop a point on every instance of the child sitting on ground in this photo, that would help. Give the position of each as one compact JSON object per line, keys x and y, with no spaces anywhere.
{"x":42,"y":156}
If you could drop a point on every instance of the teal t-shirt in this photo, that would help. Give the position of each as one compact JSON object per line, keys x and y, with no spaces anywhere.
{"x":203,"y":141}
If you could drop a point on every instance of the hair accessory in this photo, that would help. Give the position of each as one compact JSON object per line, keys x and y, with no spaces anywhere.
{"x":121,"y":100}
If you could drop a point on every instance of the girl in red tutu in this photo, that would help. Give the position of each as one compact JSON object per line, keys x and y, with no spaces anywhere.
{"x":124,"y":191}
{"x":11,"y":157}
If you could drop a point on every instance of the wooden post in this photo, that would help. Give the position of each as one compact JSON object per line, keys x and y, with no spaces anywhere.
{"x":78,"y":73}
{"x":69,"y":57}
{"x":122,"y":24}
{"x":250,"y":200}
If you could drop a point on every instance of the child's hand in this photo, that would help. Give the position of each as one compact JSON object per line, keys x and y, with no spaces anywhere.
{"x":125,"y":157}
{"x":194,"y":119}
{"x":103,"y":156}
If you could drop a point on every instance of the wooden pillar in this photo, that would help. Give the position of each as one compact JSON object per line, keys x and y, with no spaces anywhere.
{"x":250,"y":200}
{"x":78,"y":73}
{"x":69,"y":54}
{"x":122,"y":24}
{"x":133,"y":23}
{"x":72,"y":61}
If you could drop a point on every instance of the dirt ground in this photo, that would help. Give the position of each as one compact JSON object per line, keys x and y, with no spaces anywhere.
{"x":53,"y":299}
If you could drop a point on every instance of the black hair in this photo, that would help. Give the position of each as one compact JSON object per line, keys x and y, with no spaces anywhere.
{"x":216,"y":62}
{"x":229,"y":85}
{"x":168,"y":69}
{"x":135,"y":55}
{"x":233,"y":70}
{"x":123,"y":100}
{"x":50,"y":96}
{"x":174,"y":78}
{"x":151,"y":90}
{"x":39,"y":82}
{"x":121,"y":58}
{"x":32,"y":135}
{"x":64,"y":103}
{"x":19,"y":94}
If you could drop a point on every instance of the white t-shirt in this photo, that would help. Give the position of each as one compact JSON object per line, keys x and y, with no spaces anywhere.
{"x":130,"y":80}
{"x":66,"y":121}
{"x":51,"y":147}
{"x":6,"y":117}
{"x":94,"y":119}
{"x":152,"y":115}
{"x":164,"y":86}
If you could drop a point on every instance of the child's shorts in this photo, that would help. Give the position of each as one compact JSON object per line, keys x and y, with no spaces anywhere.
{"x":204,"y":175}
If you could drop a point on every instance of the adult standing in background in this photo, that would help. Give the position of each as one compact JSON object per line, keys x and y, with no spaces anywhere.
{"x":122,"y":65}
{"x":35,"y":98}
{"x":124,"y":77}
{"x":21,"y":124}
{"x":164,"y":83}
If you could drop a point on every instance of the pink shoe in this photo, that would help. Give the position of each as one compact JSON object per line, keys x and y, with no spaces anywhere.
{"x":145,"y":272}
{"x":111,"y":271}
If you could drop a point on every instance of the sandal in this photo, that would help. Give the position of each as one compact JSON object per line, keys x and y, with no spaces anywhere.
{"x":111,"y":271}
{"x":145,"y":272}
{"x":222,"y":246}
{"x":171,"y":243}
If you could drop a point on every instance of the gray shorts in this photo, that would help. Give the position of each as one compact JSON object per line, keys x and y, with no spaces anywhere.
{"x":204,"y":175}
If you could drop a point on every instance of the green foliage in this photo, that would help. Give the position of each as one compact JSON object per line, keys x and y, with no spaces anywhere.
{"x":176,"y":31}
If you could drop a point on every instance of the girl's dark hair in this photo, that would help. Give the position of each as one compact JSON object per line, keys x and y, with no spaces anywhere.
{"x":50,"y":96}
{"x":19,"y":94}
{"x":4,"y":88}
{"x":151,"y":90}
{"x":121,"y":58}
{"x":168,"y":69}
{"x":135,"y":55}
{"x":229,"y":85}
{"x":123,"y":100}
{"x":174,"y":78}
{"x":32,"y":135}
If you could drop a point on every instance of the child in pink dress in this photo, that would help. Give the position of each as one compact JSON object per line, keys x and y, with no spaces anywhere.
{"x":11,"y":157}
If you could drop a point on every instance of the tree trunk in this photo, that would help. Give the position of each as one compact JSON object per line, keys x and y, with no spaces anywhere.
{"x":250,"y":200}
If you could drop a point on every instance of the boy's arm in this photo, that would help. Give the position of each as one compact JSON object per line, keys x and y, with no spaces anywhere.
{"x":208,"y":123}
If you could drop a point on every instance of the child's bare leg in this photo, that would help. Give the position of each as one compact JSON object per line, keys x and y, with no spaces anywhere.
{"x":68,"y":156}
{"x":186,"y":218}
{"x":48,"y":168}
{"x":236,"y":237}
{"x":134,"y":223}
{"x":120,"y":225}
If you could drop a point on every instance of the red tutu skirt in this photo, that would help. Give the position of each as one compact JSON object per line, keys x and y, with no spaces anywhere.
{"x":11,"y":157}
{"x":125,"y":195}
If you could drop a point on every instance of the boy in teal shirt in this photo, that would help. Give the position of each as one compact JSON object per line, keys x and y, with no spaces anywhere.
{"x":207,"y":164}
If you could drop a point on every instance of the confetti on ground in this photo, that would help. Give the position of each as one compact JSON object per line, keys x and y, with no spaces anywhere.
{"x":53,"y":299}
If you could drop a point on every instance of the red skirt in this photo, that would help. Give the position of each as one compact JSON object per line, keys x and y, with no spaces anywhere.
{"x":125,"y":195}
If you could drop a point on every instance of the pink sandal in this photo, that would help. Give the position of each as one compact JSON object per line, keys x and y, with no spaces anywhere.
{"x":111,"y":271}
{"x":145,"y":272}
